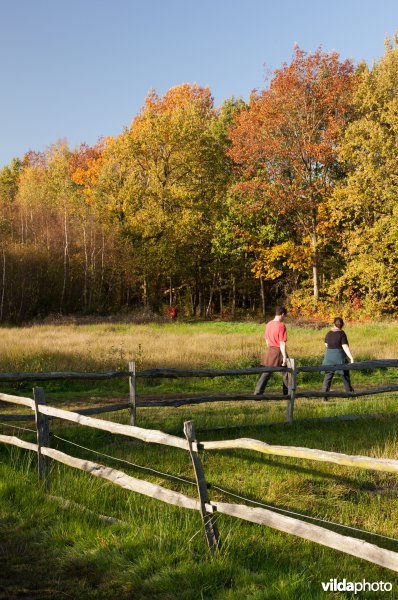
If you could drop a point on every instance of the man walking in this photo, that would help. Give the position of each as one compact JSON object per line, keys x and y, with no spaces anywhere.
{"x":275,"y":355}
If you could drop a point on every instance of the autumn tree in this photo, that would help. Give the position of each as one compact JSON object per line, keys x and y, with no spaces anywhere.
{"x":163,"y":180}
{"x":85,"y":165}
{"x":58,"y":252}
{"x":9,"y":176}
{"x":284,"y":147}
{"x":366,"y":204}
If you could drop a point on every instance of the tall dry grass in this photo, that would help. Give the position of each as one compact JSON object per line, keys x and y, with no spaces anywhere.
{"x":110,"y":346}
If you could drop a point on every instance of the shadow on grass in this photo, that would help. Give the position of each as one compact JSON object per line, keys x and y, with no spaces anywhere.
{"x":262,"y":566}
{"x":28,"y":567}
{"x":362,"y":486}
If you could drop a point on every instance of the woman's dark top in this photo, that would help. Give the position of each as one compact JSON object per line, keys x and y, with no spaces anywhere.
{"x":336,"y":339}
{"x":335,"y":354}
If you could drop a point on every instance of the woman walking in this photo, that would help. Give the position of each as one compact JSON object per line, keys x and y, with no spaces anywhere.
{"x":337,"y":353}
{"x":276,"y":355}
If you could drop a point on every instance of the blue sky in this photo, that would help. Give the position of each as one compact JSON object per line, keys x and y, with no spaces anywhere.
{"x":80,"y":69}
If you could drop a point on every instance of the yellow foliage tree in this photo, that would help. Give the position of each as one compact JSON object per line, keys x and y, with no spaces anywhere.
{"x":366,"y":205}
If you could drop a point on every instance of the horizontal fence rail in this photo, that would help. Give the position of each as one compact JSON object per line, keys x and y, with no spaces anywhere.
{"x":42,"y":414}
{"x":146,"y":435}
{"x":150,"y":373}
{"x":361,"y":462}
{"x":178,"y":373}
{"x":134,"y":402}
{"x":314,"y":533}
{"x":18,"y":400}
{"x":366,"y":392}
{"x":209,"y":509}
{"x":356,"y":366}
{"x":159,"y":437}
{"x":117,"y":477}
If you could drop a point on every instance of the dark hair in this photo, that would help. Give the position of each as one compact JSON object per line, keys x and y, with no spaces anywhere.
{"x":338,"y":322}
{"x":280,"y":310}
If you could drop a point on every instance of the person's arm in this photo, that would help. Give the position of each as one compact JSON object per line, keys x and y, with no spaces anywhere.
{"x":347,"y":350}
{"x":282,"y":346}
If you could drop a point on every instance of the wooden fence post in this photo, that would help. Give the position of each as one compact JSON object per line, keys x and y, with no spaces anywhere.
{"x":132,"y":392}
{"x":292,"y":378}
{"x":209,"y":520}
{"x":43,"y":436}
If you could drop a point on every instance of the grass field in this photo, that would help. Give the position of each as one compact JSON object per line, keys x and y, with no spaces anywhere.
{"x":102,"y":347}
{"x":158,"y":551}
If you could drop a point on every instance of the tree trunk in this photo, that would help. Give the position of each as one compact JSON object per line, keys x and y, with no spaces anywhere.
{"x":193,"y":301}
{"x":3,"y":286}
{"x":233,"y":303}
{"x":66,"y":250}
{"x":85,"y":269}
{"x":145,"y":292}
{"x":221,"y":302}
{"x":314,"y":243}
{"x":200,"y":302}
{"x":262,"y":293}
{"x":22,"y":286}
{"x":208,"y":309}
{"x":93,"y":269}
{"x":102,"y":266}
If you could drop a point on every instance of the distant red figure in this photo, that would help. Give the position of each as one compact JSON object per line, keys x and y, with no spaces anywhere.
{"x":173,"y":313}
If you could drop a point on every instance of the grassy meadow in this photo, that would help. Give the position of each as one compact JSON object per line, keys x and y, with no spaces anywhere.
{"x":109,"y":346}
{"x":158,"y":551}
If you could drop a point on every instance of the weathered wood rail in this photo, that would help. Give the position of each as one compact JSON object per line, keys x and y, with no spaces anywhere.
{"x":207,"y":508}
{"x":177,"y":373}
{"x":134,"y":402}
{"x":149,"y":373}
{"x":145,"y":435}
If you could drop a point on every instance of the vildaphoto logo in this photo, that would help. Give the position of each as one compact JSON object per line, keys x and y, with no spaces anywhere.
{"x":334,"y":585}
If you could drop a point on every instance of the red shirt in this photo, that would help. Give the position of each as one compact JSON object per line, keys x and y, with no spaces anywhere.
{"x":275,"y":332}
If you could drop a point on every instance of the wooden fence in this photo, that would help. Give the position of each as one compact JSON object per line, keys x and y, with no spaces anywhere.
{"x":207,"y":508}
{"x":132,"y":374}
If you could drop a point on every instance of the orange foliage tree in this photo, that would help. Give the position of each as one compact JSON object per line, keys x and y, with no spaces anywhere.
{"x":85,"y":166}
{"x":284,"y":148}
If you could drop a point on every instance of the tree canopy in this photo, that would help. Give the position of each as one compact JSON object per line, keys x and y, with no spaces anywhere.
{"x":290,"y":197}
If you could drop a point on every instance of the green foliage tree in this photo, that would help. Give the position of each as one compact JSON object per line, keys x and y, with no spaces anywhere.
{"x":9,"y":180}
{"x":366,"y":204}
{"x":163,"y":180}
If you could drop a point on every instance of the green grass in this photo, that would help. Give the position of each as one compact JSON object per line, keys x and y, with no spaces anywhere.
{"x":159,"y":551}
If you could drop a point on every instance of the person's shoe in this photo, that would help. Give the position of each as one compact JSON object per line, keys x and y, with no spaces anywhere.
{"x":257,"y":393}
